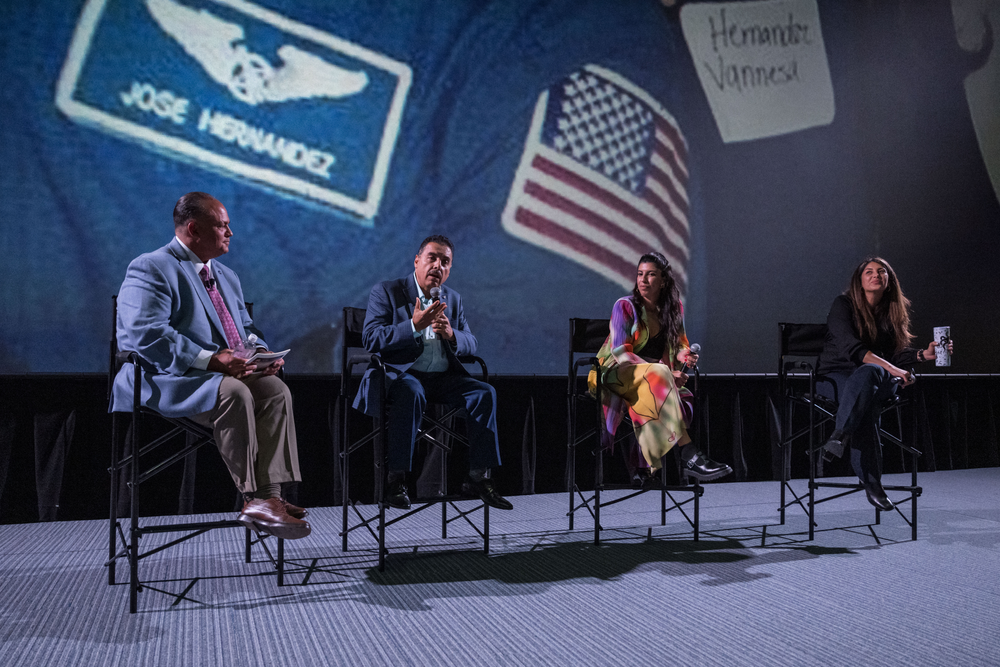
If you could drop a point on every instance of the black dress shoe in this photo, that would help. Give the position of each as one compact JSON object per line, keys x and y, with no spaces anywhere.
{"x":652,"y":481}
{"x":833,"y":448}
{"x":705,"y":469}
{"x":484,"y":489}
{"x":395,"y":496}
{"x":876,"y":496}
{"x":640,"y":478}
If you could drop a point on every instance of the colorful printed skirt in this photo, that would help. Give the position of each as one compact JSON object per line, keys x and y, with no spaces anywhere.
{"x":658,"y":409}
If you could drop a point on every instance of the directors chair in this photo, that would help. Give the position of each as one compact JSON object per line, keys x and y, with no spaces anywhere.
{"x":134,"y":469}
{"x":436,"y":431}
{"x":801,"y":345}
{"x":586,"y":336}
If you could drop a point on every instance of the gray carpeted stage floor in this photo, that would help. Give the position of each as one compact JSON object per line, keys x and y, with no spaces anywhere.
{"x":742,"y":595}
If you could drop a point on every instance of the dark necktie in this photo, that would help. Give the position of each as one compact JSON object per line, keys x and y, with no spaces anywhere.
{"x":232,"y":333}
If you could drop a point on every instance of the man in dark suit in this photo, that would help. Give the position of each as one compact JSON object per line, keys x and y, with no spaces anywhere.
{"x":183,"y":313}
{"x":418,"y":327}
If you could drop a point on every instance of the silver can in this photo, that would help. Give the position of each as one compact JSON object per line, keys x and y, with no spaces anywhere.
{"x":942,"y":336}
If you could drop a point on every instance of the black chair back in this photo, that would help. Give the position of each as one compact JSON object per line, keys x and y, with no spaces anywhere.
{"x":354,"y":324}
{"x":801,"y":345}
{"x":802,"y":340}
{"x":113,"y":362}
{"x":587,"y":335}
{"x":352,"y":352}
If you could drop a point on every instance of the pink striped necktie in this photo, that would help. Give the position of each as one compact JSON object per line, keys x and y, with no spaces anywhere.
{"x":232,"y":333}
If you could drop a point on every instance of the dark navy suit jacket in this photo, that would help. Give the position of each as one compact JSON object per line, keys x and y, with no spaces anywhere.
{"x":388,"y":332}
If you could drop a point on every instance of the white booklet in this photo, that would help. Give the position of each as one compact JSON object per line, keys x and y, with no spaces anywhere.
{"x":265,"y":359}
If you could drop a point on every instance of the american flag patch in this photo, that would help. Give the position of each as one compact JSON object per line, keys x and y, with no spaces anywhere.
{"x":603,"y":177}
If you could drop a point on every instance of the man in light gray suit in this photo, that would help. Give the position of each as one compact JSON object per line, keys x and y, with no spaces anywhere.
{"x":183,"y":313}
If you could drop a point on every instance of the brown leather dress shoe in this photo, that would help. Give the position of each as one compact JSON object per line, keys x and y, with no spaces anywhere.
{"x":269,"y":516}
{"x":294,"y":510}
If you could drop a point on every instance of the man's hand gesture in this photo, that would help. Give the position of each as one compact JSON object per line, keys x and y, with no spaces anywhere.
{"x":424,"y":318}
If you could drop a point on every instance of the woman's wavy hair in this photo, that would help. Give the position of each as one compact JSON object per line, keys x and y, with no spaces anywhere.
{"x":891,"y":313}
{"x":669,"y":303}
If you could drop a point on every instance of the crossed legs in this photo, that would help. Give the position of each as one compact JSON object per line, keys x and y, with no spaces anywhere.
{"x":862,"y":393}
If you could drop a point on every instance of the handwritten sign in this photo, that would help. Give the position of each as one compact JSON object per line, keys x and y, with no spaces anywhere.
{"x":762,"y":65}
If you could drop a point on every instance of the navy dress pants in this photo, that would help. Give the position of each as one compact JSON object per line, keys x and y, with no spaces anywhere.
{"x":409,"y":394}
{"x":861,"y":395}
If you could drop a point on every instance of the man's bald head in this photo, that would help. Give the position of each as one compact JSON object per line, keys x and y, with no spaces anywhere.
{"x":201,"y":222}
{"x":194,"y":206}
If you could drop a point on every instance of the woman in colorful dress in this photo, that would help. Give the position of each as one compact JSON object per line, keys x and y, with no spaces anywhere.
{"x":642,"y":371}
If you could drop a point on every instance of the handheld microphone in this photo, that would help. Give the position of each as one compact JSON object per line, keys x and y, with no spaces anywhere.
{"x":435,"y":293}
{"x":695,"y":349}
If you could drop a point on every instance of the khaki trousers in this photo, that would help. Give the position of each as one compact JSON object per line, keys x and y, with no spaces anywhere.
{"x":255,"y":431}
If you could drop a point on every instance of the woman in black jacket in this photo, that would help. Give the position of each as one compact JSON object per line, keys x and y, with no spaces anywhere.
{"x":866,"y":356}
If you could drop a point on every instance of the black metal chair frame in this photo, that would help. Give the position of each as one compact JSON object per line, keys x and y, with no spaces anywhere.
{"x":802,"y":358}
{"x":197,"y":437}
{"x":580,"y":344}
{"x":352,"y":339}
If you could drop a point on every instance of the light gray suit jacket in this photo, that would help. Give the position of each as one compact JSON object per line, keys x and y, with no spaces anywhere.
{"x":165,"y":314}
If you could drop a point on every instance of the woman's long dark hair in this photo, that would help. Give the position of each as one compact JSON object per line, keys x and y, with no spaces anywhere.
{"x":669,"y":303}
{"x":892,"y":312}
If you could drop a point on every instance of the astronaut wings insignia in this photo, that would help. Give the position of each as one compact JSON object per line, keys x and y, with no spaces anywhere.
{"x":243,"y":91}
{"x":250,"y":77}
